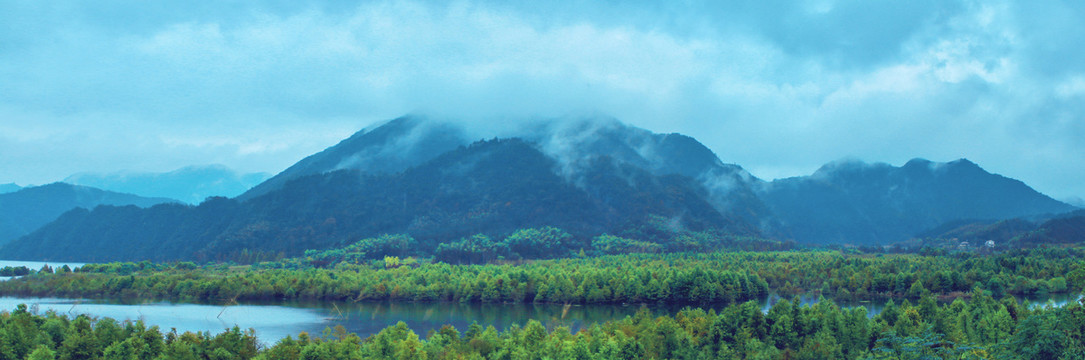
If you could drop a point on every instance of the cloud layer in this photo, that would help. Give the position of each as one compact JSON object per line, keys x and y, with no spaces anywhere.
{"x":776,"y":87}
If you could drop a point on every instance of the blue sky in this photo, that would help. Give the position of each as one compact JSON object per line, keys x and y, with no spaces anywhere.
{"x":777,"y":87}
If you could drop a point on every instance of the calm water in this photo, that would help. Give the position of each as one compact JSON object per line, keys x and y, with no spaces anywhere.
{"x":275,"y":321}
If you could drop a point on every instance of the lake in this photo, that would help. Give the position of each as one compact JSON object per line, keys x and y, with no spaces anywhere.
{"x":275,"y":321}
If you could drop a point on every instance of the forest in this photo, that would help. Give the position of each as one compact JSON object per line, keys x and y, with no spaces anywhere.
{"x":682,"y":278}
{"x":952,"y":304}
{"x":979,"y":328}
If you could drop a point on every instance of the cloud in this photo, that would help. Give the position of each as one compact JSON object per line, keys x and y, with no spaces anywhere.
{"x":775,"y":87}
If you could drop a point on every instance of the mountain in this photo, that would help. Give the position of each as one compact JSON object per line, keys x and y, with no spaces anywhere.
{"x":190,"y":184}
{"x":852,"y":202}
{"x":573,"y":143}
{"x":389,"y":148}
{"x":9,"y":188}
{"x":588,"y":176}
{"x":26,"y":210}
{"x":493,"y":187}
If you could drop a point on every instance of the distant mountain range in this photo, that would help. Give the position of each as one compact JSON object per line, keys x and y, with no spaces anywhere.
{"x":8,"y":188}
{"x":190,"y":184}
{"x":433,"y":180}
{"x":27,"y":209}
{"x":851,"y":202}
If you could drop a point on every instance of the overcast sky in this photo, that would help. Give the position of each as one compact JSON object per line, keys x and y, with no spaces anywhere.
{"x":777,"y":87}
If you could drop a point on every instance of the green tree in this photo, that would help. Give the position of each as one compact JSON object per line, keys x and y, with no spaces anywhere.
{"x":42,"y":352}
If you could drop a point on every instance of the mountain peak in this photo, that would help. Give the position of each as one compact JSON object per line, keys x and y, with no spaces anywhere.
{"x":918,"y":163}
{"x":963,"y":164}
{"x":927,"y":166}
{"x":390,"y":147}
{"x":9,"y":187}
{"x":846,"y":167}
{"x":573,"y":142}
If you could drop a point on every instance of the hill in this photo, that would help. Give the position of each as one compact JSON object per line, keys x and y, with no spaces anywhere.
{"x":26,"y":210}
{"x":1050,"y":231}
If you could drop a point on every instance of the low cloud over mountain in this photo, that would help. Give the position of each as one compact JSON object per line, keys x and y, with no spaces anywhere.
{"x":440,"y":181}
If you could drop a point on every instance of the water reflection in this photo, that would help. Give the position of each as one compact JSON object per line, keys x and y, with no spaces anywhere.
{"x":273,"y":321}
{"x":370,"y":317}
{"x":270,"y":322}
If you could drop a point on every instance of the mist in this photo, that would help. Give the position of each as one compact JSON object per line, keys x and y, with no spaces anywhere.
{"x":779,"y":90}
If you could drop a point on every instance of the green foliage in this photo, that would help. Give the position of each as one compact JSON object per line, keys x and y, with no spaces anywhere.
{"x":14,"y":271}
{"x":610,"y":244}
{"x":365,"y":249}
{"x":474,"y":249}
{"x":541,"y":243}
{"x":821,"y":331}
{"x":696,"y":278}
{"x":705,"y":278}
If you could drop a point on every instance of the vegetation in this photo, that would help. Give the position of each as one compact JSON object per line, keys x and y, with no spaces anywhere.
{"x":1067,"y":230}
{"x":613,"y":279}
{"x":980,"y":328}
{"x":609,"y":269}
{"x":540,"y":243}
{"x":495,"y":188}
{"x":14,"y":271}
{"x":691,"y":278}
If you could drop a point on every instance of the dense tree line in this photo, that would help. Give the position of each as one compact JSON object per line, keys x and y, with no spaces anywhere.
{"x":541,"y":243}
{"x":980,"y":328}
{"x":14,"y":271}
{"x":598,"y":280}
{"x":631,"y":278}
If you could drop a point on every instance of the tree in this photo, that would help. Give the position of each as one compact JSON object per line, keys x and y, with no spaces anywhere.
{"x":916,"y":290}
{"x":42,"y":353}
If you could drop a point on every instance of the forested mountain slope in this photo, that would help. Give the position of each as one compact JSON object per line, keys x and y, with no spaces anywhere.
{"x":26,"y":210}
